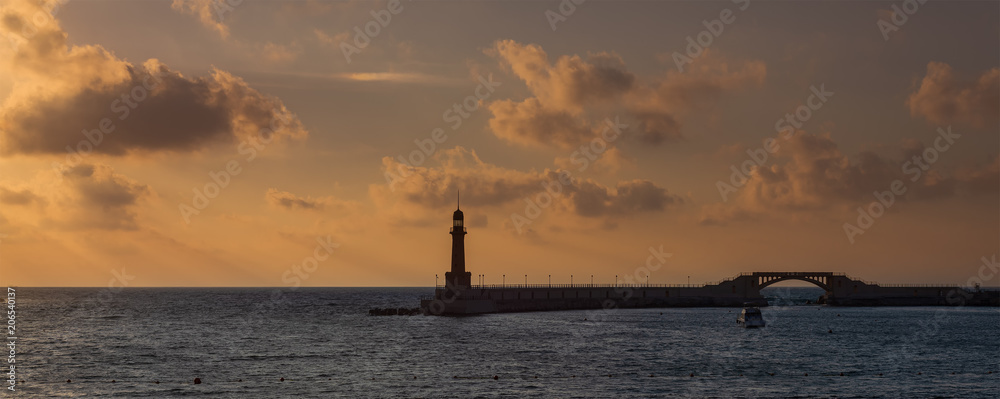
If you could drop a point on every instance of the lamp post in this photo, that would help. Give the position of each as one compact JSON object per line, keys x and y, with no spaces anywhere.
{"x":504,"y":284}
{"x":550,"y":281}
{"x":435,"y":281}
{"x":525,"y":281}
{"x":591,"y":280}
{"x":689,"y":280}
{"x":616,"y":280}
{"x":570,"y":280}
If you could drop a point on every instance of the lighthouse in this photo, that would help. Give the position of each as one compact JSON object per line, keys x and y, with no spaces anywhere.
{"x":458,"y":277}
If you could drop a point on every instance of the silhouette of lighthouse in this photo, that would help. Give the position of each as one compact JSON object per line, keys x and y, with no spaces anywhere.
{"x":458,"y":277}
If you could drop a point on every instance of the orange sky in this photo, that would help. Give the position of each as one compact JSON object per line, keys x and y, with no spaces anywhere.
{"x":186,"y":143}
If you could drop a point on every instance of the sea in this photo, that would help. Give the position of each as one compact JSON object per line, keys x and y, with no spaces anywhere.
{"x":321,"y":342}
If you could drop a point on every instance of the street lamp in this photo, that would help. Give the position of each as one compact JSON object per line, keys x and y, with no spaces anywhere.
{"x":550,"y":280}
{"x":435,"y":281}
{"x":525,"y":281}
{"x":689,"y":280}
{"x":616,"y":280}
{"x":504,"y":284}
{"x":570,"y":280}
{"x":591,"y":280}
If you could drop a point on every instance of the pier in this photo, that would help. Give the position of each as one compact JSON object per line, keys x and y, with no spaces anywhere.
{"x":458,"y":296}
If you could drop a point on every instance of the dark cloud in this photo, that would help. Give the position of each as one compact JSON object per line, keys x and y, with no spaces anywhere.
{"x":593,"y":200}
{"x":810,"y":173}
{"x":84,"y":98}
{"x":487,"y":185}
{"x":96,"y":197}
{"x":943,"y":99}
{"x":289,"y":201}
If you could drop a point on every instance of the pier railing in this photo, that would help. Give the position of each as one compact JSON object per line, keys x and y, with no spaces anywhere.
{"x":580,"y":286}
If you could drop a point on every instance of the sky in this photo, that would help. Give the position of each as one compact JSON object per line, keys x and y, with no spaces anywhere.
{"x":313,"y":143}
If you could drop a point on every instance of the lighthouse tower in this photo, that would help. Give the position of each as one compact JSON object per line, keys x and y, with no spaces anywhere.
{"x":458,"y":277}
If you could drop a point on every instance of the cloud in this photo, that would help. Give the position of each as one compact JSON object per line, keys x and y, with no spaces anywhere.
{"x":96,"y":197}
{"x":209,"y":12}
{"x":810,"y":174}
{"x":86,"y":99}
{"x":660,"y":107}
{"x":571,"y":82}
{"x":981,"y":179}
{"x":943,"y":99}
{"x":566,"y":93}
{"x":19,"y":197}
{"x":591,"y":199}
{"x":289,"y":201}
{"x":485,"y":185}
{"x":529,"y":123}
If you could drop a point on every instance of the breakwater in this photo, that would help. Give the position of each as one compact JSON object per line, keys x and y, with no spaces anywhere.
{"x":841,"y":290}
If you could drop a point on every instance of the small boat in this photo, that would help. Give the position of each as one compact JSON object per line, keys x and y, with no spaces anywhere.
{"x":750,"y":317}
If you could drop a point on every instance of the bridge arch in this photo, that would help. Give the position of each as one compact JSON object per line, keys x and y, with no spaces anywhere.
{"x":821,"y":280}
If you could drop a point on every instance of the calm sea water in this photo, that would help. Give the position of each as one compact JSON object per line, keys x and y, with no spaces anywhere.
{"x":241,"y":342}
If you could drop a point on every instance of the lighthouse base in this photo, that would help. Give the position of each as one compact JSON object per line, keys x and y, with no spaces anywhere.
{"x":458,"y":280}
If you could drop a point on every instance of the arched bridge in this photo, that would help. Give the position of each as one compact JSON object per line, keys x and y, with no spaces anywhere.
{"x":820,"y":279}
{"x":843,"y":289}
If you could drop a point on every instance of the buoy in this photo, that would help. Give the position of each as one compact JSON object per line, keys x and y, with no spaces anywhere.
{"x":451,"y":377}
{"x":241,"y":380}
{"x":111,"y":381}
{"x":650,"y":375}
{"x":879,"y":374}
{"x":68,"y":381}
{"x":281,"y":379}
{"x":496,"y":377}
{"x":920,"y":373}
{"x":805,"y":374}
{"x":414,"y":377}
{"x":536,"y":377}
{"x":574,"y":376}
{"x":830,"y":331}
{"x":661,"y":313}
{"x":989,"y":372}
{"x":584,"y":319}
{"x":197,"y":380}
{"x":841,"y":374}
{"x":692,"y":374}
{"x":157,"y":382}
{"x":771,"y":374}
